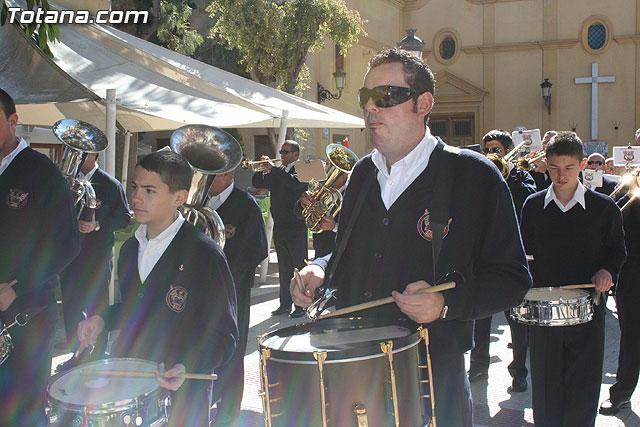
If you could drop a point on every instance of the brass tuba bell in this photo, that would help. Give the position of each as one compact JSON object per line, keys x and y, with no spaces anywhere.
{"x":327,"y":201}
{"x":210,"y":151}
{"x":79,"y":138}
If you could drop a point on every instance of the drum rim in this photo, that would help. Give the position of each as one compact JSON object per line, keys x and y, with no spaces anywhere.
{"x":581,"y":294}
{"x":338,"y":356}
{"x":105,"y":407}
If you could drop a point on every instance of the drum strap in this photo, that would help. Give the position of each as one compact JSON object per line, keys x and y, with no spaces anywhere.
{"x":366,"y":184}
{"x":441,"y":199}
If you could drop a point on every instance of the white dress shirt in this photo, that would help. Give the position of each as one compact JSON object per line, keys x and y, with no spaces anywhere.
{"x":578,"y":197}
{"x":89,"y":174}
{"x":215,"y":202}
{"x":22,"y":144}
{"x":150,"y":251}
{"x":404,"y":171}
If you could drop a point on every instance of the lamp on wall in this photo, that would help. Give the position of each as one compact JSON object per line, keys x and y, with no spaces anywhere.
{"x":411,"y":43}
{"x":546,"y":93}
{"x":341,"y":81}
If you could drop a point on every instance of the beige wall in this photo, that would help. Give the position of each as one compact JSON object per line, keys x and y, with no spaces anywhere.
{"x":506,"y":49}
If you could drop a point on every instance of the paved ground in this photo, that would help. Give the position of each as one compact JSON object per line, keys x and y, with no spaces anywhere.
{"x":493,"y":406}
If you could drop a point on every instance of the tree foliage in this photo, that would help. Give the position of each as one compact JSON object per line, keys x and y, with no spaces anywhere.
{"x":43,"y":33}
{"x":274,"y":37}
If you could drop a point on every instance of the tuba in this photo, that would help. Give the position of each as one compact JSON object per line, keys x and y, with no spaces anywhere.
{"x":210,"y":151}
{"x":79,"y":139}
{"x":327,"y":201}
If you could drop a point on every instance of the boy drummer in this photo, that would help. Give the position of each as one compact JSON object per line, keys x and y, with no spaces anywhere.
{"x":576,"y":237}
{"x":178,"y":298}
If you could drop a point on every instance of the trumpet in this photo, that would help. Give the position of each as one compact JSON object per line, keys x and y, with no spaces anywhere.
{"x":511,"y":154}
{"x":501,"y":164}
{"x":247,"y":164}
{"x":528,"y":164}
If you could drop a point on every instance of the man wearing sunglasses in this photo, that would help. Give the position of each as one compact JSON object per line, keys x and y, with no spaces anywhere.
{"x":596,"y":161}
{"x":521,"y":185}
{"x":388,"y":223}
{"x":289,"y":232}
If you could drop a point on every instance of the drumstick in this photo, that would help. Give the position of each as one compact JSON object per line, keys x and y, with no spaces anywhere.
{"x":144,"y":374}
{"x":298,"y":278}
{"x":582,"y":286}
{"x":6,"y":286}
{"x":388,"y":300}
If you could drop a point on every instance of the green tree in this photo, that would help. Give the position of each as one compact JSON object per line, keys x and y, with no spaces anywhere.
{"x":274,"y":37}
{"x":42,"y":34}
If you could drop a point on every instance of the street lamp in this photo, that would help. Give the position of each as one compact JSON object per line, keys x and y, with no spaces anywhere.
{"x":411,"y":43}
{"x":341,"y":81}
{"x":546,"y":93}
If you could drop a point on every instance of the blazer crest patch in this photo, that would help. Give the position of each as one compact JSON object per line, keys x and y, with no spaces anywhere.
{"x":424,"y":227}
{"x":229,"y":230}
{"x":16,"y":198}
{"x":177,"y":298}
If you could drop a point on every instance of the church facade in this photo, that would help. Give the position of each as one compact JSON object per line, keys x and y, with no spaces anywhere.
{"x":490,"y":58}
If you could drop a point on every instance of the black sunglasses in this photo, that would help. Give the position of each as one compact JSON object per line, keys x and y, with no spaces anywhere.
{"x":286,"y":151}
{"x":386,"y":96}
{"x":495,"y":150}
{"x":595,"y":162}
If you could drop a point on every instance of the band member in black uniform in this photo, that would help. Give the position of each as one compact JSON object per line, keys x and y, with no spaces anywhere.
{"x":576,"y":237}
{"x":627,"y":298}
{"x":245,"y":247}
{"x":521,"y":186}
{"x":596,"y":161}
{"x":389,"y":249}
{"x":85,"y":282}
{"x":178,"y":299}
{"x":289,"y":232}
{"x":40,"y":237}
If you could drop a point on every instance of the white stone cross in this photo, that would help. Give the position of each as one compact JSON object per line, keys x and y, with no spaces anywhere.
{"x":594,"y":80}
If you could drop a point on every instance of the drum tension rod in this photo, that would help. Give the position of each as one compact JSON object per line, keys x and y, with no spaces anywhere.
{"x":321,"y":356}
{"x":387,"y":348}
{"x":361,"y":415}
{"x":424,"y":334}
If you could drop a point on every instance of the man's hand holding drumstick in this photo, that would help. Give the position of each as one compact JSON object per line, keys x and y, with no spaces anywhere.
{"x":419,"y":307}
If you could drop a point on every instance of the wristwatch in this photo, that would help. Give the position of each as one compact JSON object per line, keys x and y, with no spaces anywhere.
{"x":443,"y":313}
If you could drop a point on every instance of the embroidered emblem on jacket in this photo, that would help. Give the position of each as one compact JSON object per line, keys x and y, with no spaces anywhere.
{"x":177,"y":298}
{"x":16,"y":198}
{"x":424,"y":227}
{"x":229,"y":230}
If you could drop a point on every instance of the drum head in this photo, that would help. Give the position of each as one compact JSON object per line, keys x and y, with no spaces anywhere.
{"x":75,"y":388}
{"x":555,"y":294}
{"x":340,"y":338}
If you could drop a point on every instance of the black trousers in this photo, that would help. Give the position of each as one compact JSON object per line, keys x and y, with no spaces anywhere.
{"x":190,"y":404}
{"x":566,"y":372}
{"x":229,"y":387}
{"x":25,"y":374}
{"x":291,"y":248}
{"x":454,"y":407}
{"x":627,"y":299}
{"x":519,"y":342}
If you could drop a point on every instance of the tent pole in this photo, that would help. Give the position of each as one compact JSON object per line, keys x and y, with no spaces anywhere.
{"x":111,"y":132}
{"x":284,"y":120}
{"x":125,"y":159}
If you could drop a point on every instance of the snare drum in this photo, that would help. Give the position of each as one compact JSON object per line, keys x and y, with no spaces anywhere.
{"x":345,"y":372}
{"x":78,"y":399}
{"x":554,"y":307}
{"x":5,"y":343}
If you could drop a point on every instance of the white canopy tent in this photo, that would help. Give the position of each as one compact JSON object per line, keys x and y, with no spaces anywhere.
{"x":156,"y":89}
